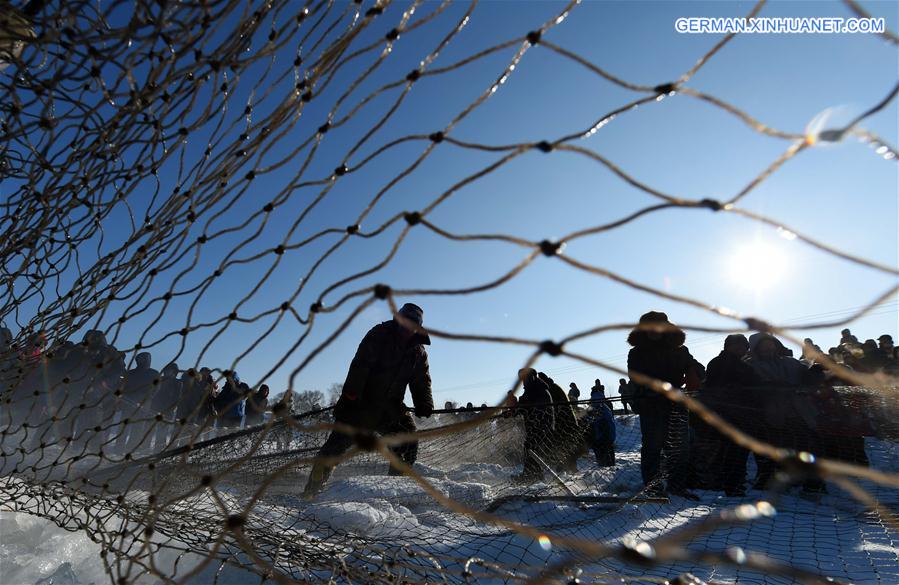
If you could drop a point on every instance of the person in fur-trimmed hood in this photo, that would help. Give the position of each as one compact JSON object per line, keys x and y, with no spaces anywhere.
{"x":658,"y":352}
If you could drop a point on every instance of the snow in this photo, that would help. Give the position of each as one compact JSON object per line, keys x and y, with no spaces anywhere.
{"x":831,"y":535}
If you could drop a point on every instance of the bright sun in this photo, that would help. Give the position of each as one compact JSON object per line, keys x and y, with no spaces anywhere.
{"x":757,"y":266}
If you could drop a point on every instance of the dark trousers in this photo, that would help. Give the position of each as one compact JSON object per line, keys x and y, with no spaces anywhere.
{"x":338,"y":442}
{"x":605,"y":454}
{"x":664,"y":431}
{"x":733,"y":467}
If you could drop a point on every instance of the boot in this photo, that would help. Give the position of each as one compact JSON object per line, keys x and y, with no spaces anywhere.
{"x":317,"y":478}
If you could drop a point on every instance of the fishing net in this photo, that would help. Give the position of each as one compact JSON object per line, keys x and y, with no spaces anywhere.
{"x":161,"y":162}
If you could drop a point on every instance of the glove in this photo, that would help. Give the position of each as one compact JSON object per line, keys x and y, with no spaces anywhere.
{"x":424,"y":411}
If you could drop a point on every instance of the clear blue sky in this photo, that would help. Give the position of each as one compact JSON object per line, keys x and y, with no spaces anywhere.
{"x":844,"y":194}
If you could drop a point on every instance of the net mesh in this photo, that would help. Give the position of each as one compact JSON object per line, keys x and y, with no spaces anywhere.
{"x":135,"y":136}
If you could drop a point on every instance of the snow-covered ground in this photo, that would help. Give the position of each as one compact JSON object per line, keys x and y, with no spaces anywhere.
{"x":831,"y":535}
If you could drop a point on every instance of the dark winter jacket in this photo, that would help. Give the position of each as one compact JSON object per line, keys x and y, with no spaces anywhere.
{"x":539,"y":418}
{"x":665,"y":359}
{"x":168,"y":394}
{"x":565,"y":419}
{"x":229,"y":403}
{"x":602,"y":426}
{"x":256,"y":407}
{"x":727,"y":370}
{"x":376,"y":383}
{"x":140,"y":386}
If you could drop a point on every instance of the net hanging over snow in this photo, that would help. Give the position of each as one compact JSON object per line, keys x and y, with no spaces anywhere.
{"x":152,"y":150}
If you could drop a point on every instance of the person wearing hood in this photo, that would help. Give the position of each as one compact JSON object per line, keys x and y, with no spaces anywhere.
{"x":391,"y":356}
{"x":539,"y":425}
{"x":658,"y":352}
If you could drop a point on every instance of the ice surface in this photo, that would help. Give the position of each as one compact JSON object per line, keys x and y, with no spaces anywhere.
{"x":832,"y":534}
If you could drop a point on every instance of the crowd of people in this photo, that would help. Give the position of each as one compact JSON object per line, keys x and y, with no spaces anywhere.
{"x":758,"y":385}
{"x":82,"y":396}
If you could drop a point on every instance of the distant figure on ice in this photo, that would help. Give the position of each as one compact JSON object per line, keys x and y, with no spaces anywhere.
{"x":390,"y":357}
{"x":658,"y":352}
{"x":257,"y":404}
{"x":539,"y":426}
{"x":600,"y":427}
{"x":597,"y":393}
{"x":229,"y":404}
{"x":847,"y":339}
{"x":574,"y":393}
{"x":626,"y":392}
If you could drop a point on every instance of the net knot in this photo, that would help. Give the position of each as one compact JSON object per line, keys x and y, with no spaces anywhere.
{"x":392,"y":35}
{"x":235,"y":522}
{"x":284,"y":306}
{"x":757,"y":324}
{"x":279,"y":250}
{"x":352,"y":229}
{"x":412,"y":217}
{"x":550,"y":347}
{"x":414,"y":75}
{"x":250,"y":175}
{"x":436,"y":137}
{"x":268,"y":208}
{"x":306,"y":97}
{"x":381,"y":291}
{"x":544,"y":146}
{"x":800,"y":466}
{"x":665,"y":88}
{"x":712,"y":204}
{"x":374,"y":11}
{"x":550,"y":248}
{"x":315,"y":307}
{"x":533,"y":37}
{"x":324,"y":128}
{"x":341,"y":170}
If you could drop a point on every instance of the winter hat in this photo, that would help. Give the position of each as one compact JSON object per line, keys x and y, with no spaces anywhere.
{"x":412,"y":312}
{"x":734,"y":338}
{"x":669,"y":330}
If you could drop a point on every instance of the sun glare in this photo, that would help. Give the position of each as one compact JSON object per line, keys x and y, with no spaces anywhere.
{"x":757,"y":266}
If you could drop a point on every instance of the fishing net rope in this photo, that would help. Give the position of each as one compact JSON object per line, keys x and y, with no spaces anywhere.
{"x":134,"y":138}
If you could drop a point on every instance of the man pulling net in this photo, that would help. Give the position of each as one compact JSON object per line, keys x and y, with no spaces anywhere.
{"x":390,"y":357}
